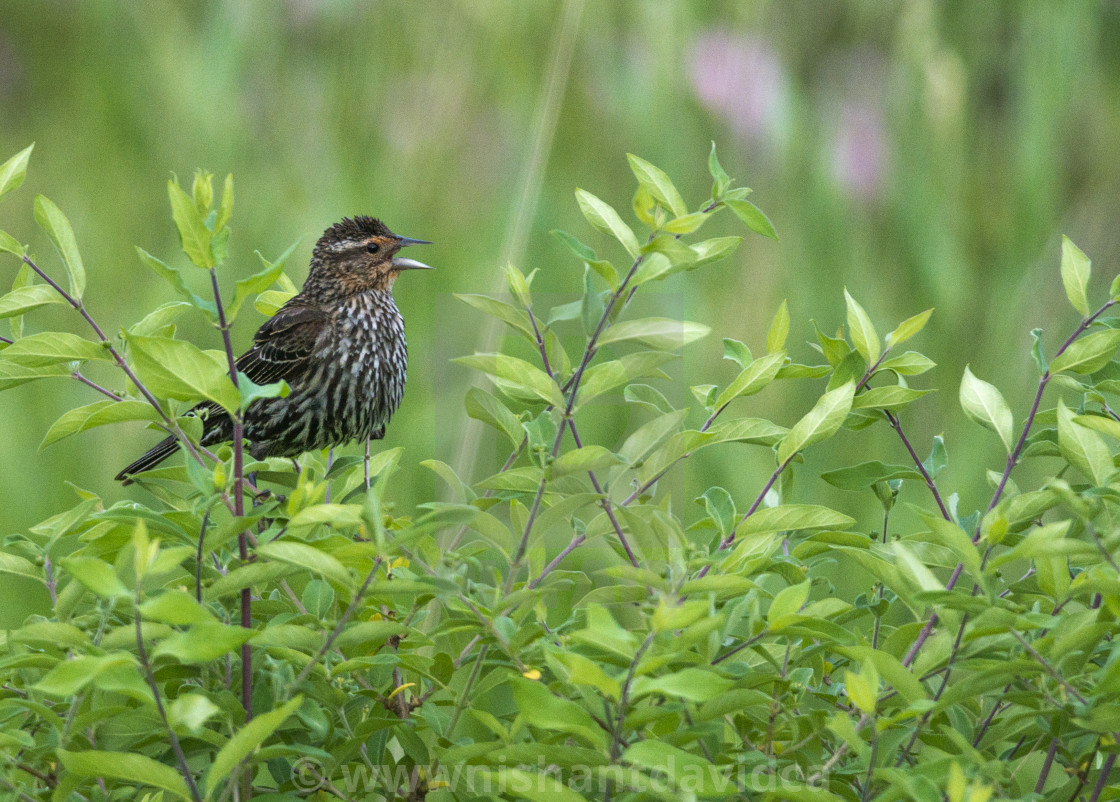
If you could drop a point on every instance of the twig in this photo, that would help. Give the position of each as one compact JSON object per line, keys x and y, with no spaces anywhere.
{"x":896,"y":424}
{"x":349,"y":612}
{"x":173,"y":427}
{"x":1102,"y":780}
{"x":1046,"y":764}
{"x":84,"y":380}
{"x":548,"y":569}
{"x":198,"y":558}
{"x":173,"y":739}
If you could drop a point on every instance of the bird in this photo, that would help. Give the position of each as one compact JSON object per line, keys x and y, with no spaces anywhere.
{"x":339,"y":344}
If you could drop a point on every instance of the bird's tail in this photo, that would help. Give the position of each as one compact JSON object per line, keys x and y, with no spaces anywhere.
{"x":153,"y":457}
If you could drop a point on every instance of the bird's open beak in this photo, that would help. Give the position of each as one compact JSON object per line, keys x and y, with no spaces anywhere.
{"x":400,"y":263}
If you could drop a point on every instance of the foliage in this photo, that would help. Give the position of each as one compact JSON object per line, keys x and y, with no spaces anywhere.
{"x":287,"y":628}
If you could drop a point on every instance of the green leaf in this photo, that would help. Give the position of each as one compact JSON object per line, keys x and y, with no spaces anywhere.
{"x":52,"y":347}
{"x":910,"y":363}
{"x":691,"y":684}
{"x":582,"y":252}
{"x":650,"y":434}
{"x":17,"y":302}
{"x":258,"y":282}
{"x":583,"y":671}
{"x":14,"y":170}
{"x":737,"y":352}
{"x":179,"y":370}
{"x":176,"y":607}
{"x":99,"y":413}
{"x":860,"y":691}
{"x":647,"y":396}
{"x":517,"y":372}
{"x":604,"y":218}
{"x":158,"y":322}
{"x":532,"y":785}
{"x":821,"y":422}
{"x":12,"y":374}
{"x":1037,"y":352}
{"x":245,"y":741}
{"x":888,"y":397}
{"x":191,"y":711}
{"x":779,"y":330}
{"x":1083,"y":448}
{"x":787,"y":602}
{"x":609,"y":375}
{"x":984,"y":404}
{"x":9,"y":244}
{"x":511,"y":315}
{"x":226,"y":209}
{"x":791,"y":517}
{"x":269,"y":302}
{"x":685,"y":771}
{"x":591,"y":305}
{"x":712,"y":250}
{"x":908,"y":328}
{"x":54,"y":222}
{"x":588,"y":458}
{"x":1100,"y":423}
{"x":131,"y":767}
{"x":720,"y":179}
{"x":550,"y":713}
{"x":1089,"y":353}
{"x":864,"y":336}
{"x":519,"y":285}
{"x":658,"y":332}
{"x":752,"y":380}
{"x":686,"y":223}
{"x":203,"y":642}
{"x":658,"y":184}
{"x":862,"y":476}
{"x":250,"y":391}
{"x":70,"y":676}
{"x":14,"y":564}
{"x":482,"y":406}
{"x":308,"y":557}
{"x":175,"y":279}
{"x":753,"y":217}
{"x":97,"y":575}
{"x":194,"y":236}
{"x":1076,"y":269}
{"x":720,"y":508}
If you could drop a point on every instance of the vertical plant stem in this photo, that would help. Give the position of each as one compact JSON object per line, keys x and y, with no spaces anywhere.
{"x":238,"y":504}
{"x":173,"y":739}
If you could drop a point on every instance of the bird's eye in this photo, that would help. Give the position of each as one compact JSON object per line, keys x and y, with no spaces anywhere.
{"x":373,"y":247}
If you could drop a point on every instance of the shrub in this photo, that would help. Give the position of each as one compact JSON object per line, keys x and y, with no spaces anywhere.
{"x":276,"y":631}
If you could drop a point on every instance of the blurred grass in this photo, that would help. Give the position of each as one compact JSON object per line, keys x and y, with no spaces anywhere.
{"x":921,"y":154}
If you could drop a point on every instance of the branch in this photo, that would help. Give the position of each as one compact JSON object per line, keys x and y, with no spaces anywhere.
{"x":896,"y":424}
{"x":172,"y":426}
{"x":342,"y":622}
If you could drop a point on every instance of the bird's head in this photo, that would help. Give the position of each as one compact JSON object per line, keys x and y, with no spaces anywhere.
{"x":360,"y":254}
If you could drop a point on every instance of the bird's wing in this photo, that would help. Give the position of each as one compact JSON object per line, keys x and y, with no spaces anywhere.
{"x":283,"y":346}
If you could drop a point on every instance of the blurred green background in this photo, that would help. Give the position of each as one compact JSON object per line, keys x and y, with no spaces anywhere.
{"x":921,"y":154}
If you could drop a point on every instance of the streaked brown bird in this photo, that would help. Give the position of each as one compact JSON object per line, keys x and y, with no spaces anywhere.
{"x":339,"y":344}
